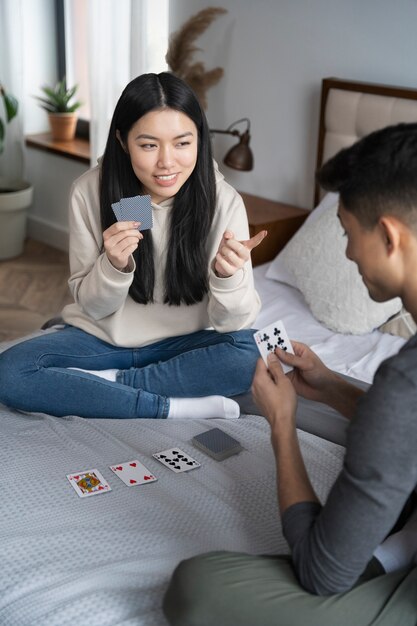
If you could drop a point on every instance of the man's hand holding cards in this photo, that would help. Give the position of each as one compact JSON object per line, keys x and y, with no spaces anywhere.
{"x":271,"y":337}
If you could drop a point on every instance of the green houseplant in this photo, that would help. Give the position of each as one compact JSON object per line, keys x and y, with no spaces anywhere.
{"x":11,"y":108}
{"x":15,"y":194}
{"x":59,"y":103}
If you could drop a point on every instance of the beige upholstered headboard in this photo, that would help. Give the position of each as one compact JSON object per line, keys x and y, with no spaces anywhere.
{"x":350,"y":110}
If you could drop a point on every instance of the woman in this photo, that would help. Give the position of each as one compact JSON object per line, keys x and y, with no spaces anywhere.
{"x":157,"y":324}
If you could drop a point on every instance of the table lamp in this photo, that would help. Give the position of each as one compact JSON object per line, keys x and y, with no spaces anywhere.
{"x":240,"y":156}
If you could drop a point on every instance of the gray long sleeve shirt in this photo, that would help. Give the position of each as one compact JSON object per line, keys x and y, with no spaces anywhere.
{"x":331,"y":545}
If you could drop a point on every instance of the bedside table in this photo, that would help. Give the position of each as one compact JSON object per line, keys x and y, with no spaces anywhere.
{"x":279,"y":219}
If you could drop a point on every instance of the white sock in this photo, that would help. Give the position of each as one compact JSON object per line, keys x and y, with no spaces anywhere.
{"x":399,"y":550}
{"x":107,"y":374}
{"x":205,"y":407}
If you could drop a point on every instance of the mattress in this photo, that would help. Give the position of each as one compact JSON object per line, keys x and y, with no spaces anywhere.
{"x":107,"y":560}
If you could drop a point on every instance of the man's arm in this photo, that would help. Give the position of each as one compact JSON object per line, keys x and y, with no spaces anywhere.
{"x":331,"y":545}
{"x":275,"y":394}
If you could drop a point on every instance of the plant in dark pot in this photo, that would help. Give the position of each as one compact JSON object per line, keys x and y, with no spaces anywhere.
{"x":15,"y":194}
{"x":59,"y":103}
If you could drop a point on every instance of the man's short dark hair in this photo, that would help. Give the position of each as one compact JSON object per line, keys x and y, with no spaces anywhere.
{"x":377,"y":175}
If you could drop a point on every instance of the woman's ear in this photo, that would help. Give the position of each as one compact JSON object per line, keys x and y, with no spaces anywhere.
{"x":121,"y":142}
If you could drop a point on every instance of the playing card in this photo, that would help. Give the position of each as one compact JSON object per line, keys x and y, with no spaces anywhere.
{"x":271,"y":337}
{"x":133,"y":473}
{"x":88,"y":483}
{"x":217,"y":444}
{"x":176,"y":460}
{"x":117,"y":211}
{"x":137,"y":209}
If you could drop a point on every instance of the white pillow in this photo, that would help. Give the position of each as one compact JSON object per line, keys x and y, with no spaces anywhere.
{"x":277,"y":269}
{"x":315,"y":260}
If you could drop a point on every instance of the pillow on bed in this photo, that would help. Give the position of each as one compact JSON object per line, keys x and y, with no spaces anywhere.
{"x":277,"y":269}
{"x":315,"y":260}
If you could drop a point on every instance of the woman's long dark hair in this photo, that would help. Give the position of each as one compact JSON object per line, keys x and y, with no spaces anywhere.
{"x":186,"y":272}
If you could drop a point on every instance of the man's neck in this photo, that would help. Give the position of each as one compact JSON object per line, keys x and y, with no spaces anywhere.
{"x":409,"y":298}
{"x":409,"y":292}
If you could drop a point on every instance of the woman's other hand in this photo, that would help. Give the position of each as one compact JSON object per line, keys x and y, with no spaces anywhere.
{"x":233,"y":254}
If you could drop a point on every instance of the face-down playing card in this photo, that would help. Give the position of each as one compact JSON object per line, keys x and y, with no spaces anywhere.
{"x":88,"y":483}
{"x":217,"y":444}
{"x":176,"y":460}
{"x":271,"y":337}
{"x":134,"y":209}
{"x":137,"y":209}
{"x":133,"y":473}
{"x":117,"y":211}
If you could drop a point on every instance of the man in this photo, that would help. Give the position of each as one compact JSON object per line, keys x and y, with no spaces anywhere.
{"x":332,"y":577}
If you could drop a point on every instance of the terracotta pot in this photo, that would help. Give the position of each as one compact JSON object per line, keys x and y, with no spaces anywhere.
{"x":62,"y":125}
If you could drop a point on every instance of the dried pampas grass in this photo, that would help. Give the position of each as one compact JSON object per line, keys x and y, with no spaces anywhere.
{"x":181,"y":50}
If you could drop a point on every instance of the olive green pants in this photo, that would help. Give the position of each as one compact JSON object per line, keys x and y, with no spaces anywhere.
{"x":233,"y":589}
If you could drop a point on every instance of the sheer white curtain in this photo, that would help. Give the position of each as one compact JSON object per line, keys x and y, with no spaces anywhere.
{"x":11,"y":76}
{"x":126,"y":38}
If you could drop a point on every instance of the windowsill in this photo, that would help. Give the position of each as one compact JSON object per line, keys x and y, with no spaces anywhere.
{"x":78,"y":149}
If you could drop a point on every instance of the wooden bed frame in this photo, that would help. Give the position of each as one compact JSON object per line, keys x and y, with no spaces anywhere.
{"x":374,"y":89}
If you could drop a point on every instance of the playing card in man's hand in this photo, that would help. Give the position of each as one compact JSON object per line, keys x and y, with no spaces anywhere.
{"x":271,"y":337}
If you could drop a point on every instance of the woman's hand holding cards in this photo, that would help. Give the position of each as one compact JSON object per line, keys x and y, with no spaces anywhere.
{"x":233,"y":254}
{"x":120,"y":241}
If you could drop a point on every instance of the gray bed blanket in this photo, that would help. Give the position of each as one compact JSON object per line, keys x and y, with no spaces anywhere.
{"x":106,"y":560}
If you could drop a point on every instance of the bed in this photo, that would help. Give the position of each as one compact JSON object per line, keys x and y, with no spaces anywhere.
{"x":106,"y":560}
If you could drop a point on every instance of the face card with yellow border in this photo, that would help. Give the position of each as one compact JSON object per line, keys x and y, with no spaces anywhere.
{"x":88,"y":483}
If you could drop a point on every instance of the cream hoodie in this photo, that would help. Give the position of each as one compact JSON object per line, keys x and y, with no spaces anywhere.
{"x":102,"y":305}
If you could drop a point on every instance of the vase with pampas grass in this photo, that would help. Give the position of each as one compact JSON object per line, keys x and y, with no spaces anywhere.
{"x":181,"y":50}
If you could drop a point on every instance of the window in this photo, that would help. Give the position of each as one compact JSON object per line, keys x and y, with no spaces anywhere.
{"x":72,"y":30}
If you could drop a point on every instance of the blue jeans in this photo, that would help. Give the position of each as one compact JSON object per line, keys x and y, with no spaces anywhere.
{"x":34,"y":374}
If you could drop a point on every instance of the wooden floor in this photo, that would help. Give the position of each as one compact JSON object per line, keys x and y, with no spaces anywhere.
{"x":33,"y":288}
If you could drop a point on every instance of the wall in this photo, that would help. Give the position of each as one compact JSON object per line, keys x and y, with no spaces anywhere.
{"x":274,"y":53}
{"x":51,"y":176}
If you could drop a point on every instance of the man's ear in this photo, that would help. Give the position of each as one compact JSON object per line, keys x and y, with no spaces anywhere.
{"x":120,"y":141}
{"x":391,"y":229}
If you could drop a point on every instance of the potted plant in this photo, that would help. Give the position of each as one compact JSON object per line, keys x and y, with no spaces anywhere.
{"x":59,"y":104}
{"x":15,"y":194}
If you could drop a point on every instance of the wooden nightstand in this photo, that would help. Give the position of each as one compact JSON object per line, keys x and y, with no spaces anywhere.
{"x":279,"y":219}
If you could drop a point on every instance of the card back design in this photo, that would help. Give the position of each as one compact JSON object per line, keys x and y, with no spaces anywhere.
{"x":217,"y":444}
{"x":137,"y":209}
{"x":117,"y":211}
{"x":176,"y":460}
{"x":88,"y":483}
